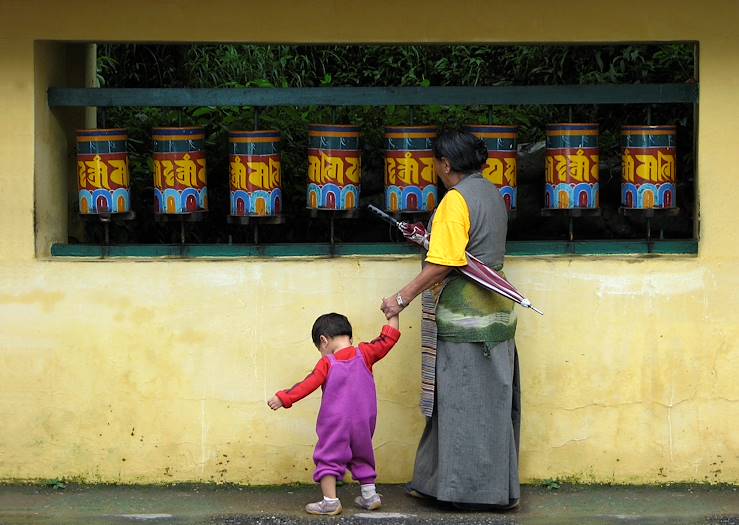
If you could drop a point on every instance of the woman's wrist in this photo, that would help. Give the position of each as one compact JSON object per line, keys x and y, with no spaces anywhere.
{"x":400,"y":300}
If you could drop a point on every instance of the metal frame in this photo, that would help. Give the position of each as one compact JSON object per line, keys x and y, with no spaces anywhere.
{"x":227,"y":251}
{"x":376,"y":96}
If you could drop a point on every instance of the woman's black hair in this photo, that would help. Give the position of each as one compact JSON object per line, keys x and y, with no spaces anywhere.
{"x":465,"y":152}
{"x":330,"y":325}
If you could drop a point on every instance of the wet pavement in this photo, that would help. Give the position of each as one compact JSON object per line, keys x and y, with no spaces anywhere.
{"x":232,"y":505}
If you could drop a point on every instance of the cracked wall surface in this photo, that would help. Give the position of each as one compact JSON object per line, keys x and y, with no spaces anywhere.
{"x":157,"y":371}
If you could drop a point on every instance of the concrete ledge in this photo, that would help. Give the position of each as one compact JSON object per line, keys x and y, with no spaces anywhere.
{"x":213,"y":504}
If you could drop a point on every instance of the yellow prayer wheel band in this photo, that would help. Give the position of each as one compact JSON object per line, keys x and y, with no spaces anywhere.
{"x":105,"y":138}
{"x":495,"y":135}
{"x":567,"y":133}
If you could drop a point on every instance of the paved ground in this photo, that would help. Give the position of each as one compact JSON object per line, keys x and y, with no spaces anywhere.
{"x":228,"y":505}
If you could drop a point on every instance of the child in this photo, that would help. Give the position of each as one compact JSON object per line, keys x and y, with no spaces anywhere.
{"x":346,"y":420}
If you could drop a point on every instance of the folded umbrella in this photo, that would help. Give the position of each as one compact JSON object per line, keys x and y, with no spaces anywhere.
{"x":475,"y":269}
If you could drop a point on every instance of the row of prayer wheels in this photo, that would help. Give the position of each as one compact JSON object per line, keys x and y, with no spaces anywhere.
{"x":334,"y":168}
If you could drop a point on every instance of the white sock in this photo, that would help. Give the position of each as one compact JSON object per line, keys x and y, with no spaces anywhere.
{"x":368,"y":490}
{"x":330,"y":500}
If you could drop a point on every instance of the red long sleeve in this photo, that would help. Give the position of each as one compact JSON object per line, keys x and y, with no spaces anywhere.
{"x":307,"y":386}
{"x":372,"y":352}
{"x":380,"y":346}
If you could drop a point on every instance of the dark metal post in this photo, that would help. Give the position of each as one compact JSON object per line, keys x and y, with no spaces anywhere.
{"x":571,"y":229}
{"x":332,"y":236}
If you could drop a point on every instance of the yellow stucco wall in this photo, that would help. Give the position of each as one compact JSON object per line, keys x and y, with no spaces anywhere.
{"x":156,"y":371}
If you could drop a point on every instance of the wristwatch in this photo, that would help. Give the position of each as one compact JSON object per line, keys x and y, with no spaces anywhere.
{"x":400,"y":301}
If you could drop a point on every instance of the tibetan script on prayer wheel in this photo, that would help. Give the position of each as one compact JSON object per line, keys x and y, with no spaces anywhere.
{"x":255,"y":180}
{"x":410,"y":179}
{"x":572,"y":166}
{"x":102,"y":171}
{"x":648,"y":171}
{"x":334,"y":167}
{"x":180,"y":182}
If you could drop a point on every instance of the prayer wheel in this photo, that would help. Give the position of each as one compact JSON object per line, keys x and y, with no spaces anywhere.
{"x":501,"y":167}
{"x":572,"y":166}
{"x":180,"y":182}
{"x":254,"y":160}
{"x":410,"y":179}
{"x":102,"y":171}
{"x":648,"y":166}
{"x":334,"y":167}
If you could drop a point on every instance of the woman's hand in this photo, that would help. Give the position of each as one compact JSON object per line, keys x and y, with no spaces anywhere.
{"x":390,"y":307}
{"x":431,"y":274}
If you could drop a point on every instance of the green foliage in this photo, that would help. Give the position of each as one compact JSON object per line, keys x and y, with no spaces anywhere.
{"x":56,"y":484}
{"x":551,"y":484}
{"x":383,"y":65}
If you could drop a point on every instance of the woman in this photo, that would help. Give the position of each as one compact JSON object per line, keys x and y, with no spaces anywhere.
{"x":468,"y":454}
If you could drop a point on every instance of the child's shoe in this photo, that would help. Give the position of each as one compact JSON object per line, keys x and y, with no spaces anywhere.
{"x":374,"y":502}
{"x":324,"y":507}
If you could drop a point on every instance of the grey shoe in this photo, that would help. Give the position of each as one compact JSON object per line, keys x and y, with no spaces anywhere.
{"x":324,"y":508}
{"x":374,"y":502}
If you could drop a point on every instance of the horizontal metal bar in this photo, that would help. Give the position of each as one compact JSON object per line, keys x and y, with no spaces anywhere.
{"x":232,"y":250}
{"x":513,"y":248}
{"x":376,"y":96}
{"x":602,"y":247}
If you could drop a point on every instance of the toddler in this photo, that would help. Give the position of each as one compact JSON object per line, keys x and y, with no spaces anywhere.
{"x":346,"y":420}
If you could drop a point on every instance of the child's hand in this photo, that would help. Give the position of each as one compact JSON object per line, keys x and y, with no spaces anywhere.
{"x":394,"y":321}
{"x":274,"y":403}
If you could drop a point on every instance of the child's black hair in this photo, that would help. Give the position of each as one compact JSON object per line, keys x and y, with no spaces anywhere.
{"x":330,"y":325}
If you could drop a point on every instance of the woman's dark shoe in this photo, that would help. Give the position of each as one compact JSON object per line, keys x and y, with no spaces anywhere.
{"x":481,"y":507}
{"x":413,"y":493}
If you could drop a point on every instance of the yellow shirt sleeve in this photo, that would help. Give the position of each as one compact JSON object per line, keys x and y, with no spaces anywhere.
{"x":450,"y":231}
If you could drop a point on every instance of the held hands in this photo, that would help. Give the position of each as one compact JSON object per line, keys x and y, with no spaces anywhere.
{"x":390,"y":307}
{"x":274,"y":403}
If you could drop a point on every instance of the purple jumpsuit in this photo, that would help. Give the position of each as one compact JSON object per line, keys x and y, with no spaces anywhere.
{"x":346,"y":421}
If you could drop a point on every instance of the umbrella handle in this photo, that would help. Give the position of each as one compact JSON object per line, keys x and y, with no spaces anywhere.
{"x":384,"y":216}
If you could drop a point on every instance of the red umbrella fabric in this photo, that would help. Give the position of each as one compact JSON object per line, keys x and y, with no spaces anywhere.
{"x":475,"y":269}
